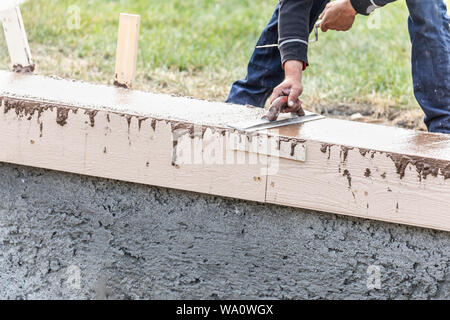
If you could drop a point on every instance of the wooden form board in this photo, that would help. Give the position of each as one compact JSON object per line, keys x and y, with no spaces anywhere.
{"x":337,"y":166}
{"x":16,"y":40}
{"x":368,"y":171}
{"x":127,"y":49}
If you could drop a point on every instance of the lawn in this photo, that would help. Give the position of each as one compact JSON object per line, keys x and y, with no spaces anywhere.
{"x":198,"y":47}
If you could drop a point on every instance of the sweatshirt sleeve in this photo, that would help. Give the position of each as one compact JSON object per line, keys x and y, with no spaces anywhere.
{"x":366,"y":7}
{"x":293,"y":29}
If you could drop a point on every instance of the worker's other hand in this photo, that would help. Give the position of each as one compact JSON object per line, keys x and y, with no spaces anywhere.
{"x":338,"y":15}
{"x":291,"y":86}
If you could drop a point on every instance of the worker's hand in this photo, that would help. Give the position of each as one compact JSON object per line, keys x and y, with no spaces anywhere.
{"x":338,"y":15}
{"x":291,"y":86}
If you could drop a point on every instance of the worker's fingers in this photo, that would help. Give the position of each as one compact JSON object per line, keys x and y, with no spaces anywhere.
{"x":324,"y":25}
{"x":294,"y":94}
{"x":277,"y":92}
{"x":324,"y":13}
{"x":324,"y":21}
{"x":297,"y":106}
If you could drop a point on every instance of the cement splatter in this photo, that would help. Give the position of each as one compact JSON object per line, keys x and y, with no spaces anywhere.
{"x":349,"y":178}
{"x":18,"y":68}
{"x":363,"y":151}
{"x":326,"y":147}
{"x":24,"y":108}
{"x":121,"y":85}
{"x":344,"y":153}
{"x":91,"y":114}
{"x":140,"y":120}
{"x":293,"y":146}
{"x":424,"y":166}
{"x":179,"y":129}
{"x":61,"y":116}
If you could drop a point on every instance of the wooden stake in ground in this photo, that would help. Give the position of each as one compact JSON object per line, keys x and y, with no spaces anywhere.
{"x":127,"y":47}
{"x":16,"y":39}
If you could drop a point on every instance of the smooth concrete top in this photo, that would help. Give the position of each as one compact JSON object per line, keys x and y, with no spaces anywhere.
{"x":96,"y":96}
{"x":329,"y":131}
{"x":372,"y":137}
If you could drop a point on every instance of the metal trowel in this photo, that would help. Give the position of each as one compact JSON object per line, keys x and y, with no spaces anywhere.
{"x":274,"y":111}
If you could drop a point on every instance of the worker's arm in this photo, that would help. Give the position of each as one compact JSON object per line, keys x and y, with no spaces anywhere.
{"x":293,"y":34}
{"x":339,"y":15}
{"x":366,"y":7}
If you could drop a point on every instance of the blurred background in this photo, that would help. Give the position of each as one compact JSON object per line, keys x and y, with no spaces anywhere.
{"x":199,"y":47}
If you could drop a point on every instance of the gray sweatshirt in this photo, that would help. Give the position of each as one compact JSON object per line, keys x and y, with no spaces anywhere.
{"x":294,"y":25}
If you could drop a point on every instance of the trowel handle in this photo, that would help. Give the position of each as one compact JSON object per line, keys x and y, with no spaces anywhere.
{"x":275,"y":108}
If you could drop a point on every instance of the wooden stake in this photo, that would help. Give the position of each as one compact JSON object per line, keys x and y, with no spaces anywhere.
{"x":127,"y":47}
{"x":16,"y":39}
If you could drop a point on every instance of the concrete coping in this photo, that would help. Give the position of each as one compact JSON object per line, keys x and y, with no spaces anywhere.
{"x":338,"y":166}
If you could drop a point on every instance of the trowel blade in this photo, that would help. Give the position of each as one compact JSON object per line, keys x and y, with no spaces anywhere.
{"x":256,"y":125}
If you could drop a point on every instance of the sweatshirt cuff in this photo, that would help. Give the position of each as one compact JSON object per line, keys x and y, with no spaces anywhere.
{"x":294,"y":51}
{"x":364,"y":7}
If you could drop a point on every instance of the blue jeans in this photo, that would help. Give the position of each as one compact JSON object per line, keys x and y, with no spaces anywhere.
{"x":264,"y":71}
{"x":429,"y":29}
{"x":430,"y":36}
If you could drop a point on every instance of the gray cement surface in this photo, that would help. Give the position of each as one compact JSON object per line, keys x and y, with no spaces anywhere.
{"x":69,"y":236}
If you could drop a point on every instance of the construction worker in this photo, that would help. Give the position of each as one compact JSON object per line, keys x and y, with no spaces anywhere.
{"x":278,"y":71}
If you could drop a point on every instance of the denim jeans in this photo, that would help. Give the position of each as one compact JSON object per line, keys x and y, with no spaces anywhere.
{"x":264,"y":71}
{"x":429,"y":28}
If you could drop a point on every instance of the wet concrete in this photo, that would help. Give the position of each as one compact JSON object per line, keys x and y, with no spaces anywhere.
{"x":70,"y":236}
{"x":47,"y":91}
{"x":372,"y":137}
{"x":429,"y":153}
{"x":94,"y":96}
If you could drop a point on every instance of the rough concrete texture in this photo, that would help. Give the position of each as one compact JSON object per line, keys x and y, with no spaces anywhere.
{"x":70,"y":236}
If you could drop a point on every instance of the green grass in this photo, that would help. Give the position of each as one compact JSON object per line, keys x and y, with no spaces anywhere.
{"x":198,"y":47}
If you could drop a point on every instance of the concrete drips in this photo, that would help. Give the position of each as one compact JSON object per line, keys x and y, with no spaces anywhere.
{"x":344,"y":153}
{"x":24,"y":108}
{"x":180,"y":129}
{"x":424,"y":166}
{"x":140,"y":120}
{"x":293,"y":141}
{"x":91,"y":114}
{"x":61,"y":115}
{"x":349,"y":178}
{"x":326,"y":148}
